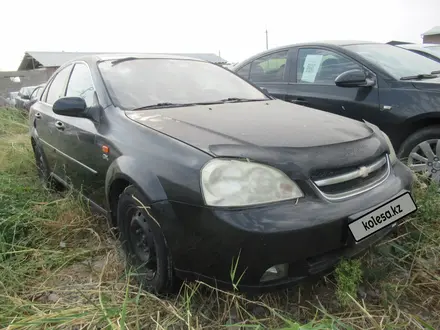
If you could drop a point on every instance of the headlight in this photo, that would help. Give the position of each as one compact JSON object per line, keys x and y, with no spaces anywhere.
{"x":240,"y":183}
{"x":393,"y":157}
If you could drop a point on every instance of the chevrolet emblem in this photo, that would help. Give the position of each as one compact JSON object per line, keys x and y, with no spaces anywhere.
{"x":363,"y":171}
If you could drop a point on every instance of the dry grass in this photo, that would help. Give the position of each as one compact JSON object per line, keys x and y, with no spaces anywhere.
{"x":60,"y":268}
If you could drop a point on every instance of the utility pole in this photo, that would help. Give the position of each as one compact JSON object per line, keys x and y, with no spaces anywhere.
{"x":267,"y":40}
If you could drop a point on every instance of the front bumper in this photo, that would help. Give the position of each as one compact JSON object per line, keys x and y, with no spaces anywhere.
{"x":310,"y":237}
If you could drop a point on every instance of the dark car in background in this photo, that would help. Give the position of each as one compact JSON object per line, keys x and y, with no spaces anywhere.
{"x":431,"y":51}
{"x":393,"y":88}
{"x":36,"y":93}
{"x":24,"y":95}
{"x":201,"y":172}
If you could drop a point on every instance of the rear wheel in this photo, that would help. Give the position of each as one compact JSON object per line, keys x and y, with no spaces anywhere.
{"x":144,"y":243}
{"x":421,"y":152}
{"x":43,"y":169}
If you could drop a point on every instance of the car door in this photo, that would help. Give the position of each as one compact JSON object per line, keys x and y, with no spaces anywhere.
{"x":46,"y":121}
{"x":312,"y":84}
{"x":83,"y":157}
{"x":269,"y":72}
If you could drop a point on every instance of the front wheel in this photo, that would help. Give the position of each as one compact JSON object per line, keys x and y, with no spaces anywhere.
{"x":144,"y":243}
{"x":421,"y":152}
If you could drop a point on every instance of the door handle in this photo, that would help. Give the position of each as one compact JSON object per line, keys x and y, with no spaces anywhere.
{"x":38,"y":115}
{"x":59,"y":125}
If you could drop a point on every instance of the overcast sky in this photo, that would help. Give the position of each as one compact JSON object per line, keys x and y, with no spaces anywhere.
{"x":236,"y":28}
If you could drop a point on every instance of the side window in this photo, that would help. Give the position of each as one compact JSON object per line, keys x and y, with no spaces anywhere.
{"x":56,"y":88}
{"x":81,"y":84}
{"x":44,"y":96}
{"x":34,"y":94}
{"x":269,"y":68}
{"x":40,"y":90}
{"x":244,"y":71}
{"x":321,"y":66}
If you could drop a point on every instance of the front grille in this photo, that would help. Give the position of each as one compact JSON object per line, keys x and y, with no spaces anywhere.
{"x":343,"y":183}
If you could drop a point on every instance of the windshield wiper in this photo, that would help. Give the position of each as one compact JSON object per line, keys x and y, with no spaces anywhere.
{"x":172,"y":105}
{"x":420,"y":76}
{"x":435,"y":72}
{"x":163,"y":105}
{"x":238,"y":99}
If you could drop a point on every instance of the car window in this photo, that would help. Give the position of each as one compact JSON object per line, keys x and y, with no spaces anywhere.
{"x":426,"y":55}
{"x":269,"y":68}
{"x":435,"y":49}
{"x":39,"y":92}
{"x":35,"y":93}
{"x":56,"y":88}
{"x":396,"y":61}
{"x":244,"y":71}
{"x":321,"y":66}
{"x":144,"y":82}
{"x":81,"y":84}
{"x":44,"y":91}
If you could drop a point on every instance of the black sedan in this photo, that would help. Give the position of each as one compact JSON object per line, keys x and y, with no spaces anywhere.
{"x":24,"y":95}
{"x":207,"y":177}
{"x":393,"y":88}
{"x":36,"y":93}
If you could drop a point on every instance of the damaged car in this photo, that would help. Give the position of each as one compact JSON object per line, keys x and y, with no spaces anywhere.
{"x":207,"y":177}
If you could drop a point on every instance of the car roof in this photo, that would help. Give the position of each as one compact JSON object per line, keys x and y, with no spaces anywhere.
{"x":418,"y":46}
{"x":106,"y":57}
{"x":329,"y":43}
{"x":322,"y":43}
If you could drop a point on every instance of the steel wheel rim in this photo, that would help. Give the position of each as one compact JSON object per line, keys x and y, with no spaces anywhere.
{"x":143,"y":245}
{"x":425,"y":158}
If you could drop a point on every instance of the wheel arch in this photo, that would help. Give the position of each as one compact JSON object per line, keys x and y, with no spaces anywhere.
{"x":416,"y":123}
{"x":125,"y":171}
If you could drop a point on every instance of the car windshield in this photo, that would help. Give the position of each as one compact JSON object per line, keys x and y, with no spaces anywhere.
{"x":434,"y":49}
{"x":398,"y":62}
{"x":137,"y":83}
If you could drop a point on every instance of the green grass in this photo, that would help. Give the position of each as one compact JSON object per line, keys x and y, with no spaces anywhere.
{"x":60,"y":268}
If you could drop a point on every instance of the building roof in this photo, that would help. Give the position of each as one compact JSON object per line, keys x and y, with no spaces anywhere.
{"x":35,"y":59}
{"x":433,"y":31}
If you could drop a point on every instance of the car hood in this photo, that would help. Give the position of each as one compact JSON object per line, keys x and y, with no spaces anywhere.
{"x":271,"y":123}
{"x":428,"y":84}
{"x":271,"y":131}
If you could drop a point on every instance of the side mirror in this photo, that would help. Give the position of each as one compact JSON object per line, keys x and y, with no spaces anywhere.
{"x":353,"y":78}
{"x":25,"y":97}
{"x":70,"y":106}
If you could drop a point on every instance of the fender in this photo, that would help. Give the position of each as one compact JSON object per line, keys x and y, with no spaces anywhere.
{"x":130,"y":169}
{"x":420,"y":121}
{"x":423,"y":116}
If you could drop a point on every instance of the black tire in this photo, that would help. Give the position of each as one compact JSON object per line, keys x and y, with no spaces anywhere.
{"x":428,"y":133}
{"x":154,"y":269}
